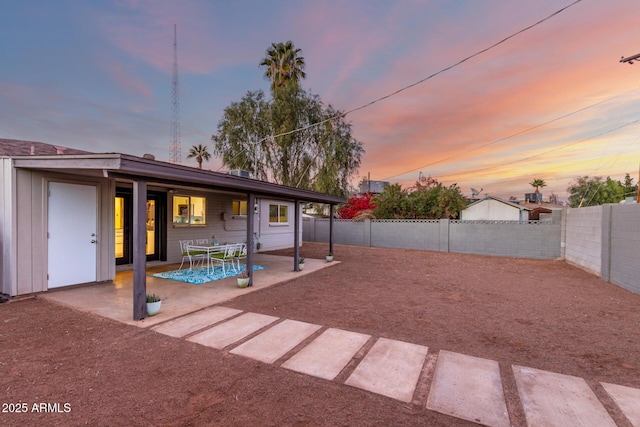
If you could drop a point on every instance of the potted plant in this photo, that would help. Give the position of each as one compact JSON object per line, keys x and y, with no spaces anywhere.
{"x":300,"y":264}
{"x":153,"y":304}
{"x":329,"y":257}
{"x":243,"y":279}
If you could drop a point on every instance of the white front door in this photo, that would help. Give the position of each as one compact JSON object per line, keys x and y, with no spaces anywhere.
{"x":72,"y":225}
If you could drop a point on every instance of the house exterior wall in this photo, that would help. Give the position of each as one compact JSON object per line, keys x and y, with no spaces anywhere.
{"x":7,"y":227}
{"x":490,"y":209}
{"x":276,"y":236}
{"x":225,"y":227}
{"x":25,"y":246}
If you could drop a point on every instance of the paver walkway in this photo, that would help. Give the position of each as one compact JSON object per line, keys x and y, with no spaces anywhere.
{"x":462,"y":386}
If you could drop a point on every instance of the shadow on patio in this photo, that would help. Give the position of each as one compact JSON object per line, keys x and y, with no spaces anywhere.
{"x":114,"y":300}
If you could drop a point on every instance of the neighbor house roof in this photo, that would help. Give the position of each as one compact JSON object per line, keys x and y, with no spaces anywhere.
{"x":16,"y":147}
{"x":506,"y":202}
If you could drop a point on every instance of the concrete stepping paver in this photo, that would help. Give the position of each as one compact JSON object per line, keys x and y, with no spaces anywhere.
{"x":627,"y":399}
{"x":391,"y":368}
{"x":232,"y":330}
{"x":470,"y":388}
{"x":328,"y":354}
{"x":551,"y":399}
{"x":193,"y":322}
{"x":277,"y":341}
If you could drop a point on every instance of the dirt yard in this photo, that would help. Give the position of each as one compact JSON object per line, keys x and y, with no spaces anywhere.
{"x":540,"y":314}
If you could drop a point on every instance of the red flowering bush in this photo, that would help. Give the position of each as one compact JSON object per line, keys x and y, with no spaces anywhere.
{"x":357,"y":204}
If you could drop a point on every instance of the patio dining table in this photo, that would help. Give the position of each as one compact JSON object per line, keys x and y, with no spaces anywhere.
{"x":209,"y":250}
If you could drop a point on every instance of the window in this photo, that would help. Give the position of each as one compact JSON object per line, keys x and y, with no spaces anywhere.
{"x":239,"y":207}
{"x":189,"y":210}
{"x":278,"y":214}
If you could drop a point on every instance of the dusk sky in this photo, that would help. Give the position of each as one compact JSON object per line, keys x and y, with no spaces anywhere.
{"x":552,"y":103}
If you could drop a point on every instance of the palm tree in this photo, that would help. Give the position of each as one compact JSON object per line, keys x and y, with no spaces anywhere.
{"x":538,"y":183}
{"x":200,"y":152}
{"x":284,"y":65}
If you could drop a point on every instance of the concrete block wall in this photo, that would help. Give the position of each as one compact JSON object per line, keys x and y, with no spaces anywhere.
{"x":624,"y":262}
{"x":406,"y":234}
{"x":518,"y":239}
{"x":583,"y":238}
{"x":602,"y":239}
{"x":504,"y":238}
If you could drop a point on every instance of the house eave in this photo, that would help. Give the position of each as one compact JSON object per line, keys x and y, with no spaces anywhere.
{"x":124,"y":166}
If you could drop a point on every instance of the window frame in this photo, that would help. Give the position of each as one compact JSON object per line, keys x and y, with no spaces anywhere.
{"x":191,"y":219}
{"x":240,"y":204}
{"x":279,"y":214}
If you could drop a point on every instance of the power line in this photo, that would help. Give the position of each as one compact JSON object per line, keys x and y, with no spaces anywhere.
{"x":512,"y":135}
{"x":480,"y":52}
{"x":550,"y":151}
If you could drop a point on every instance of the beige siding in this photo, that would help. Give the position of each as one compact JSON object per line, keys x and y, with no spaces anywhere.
{"x":30,"y":240}
{"x":7,"y":228}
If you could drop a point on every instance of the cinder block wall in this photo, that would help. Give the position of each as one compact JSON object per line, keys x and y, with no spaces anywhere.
{"x":504,"y":238}
{"x":406,"y":234}
{"x":518,"y":239}
{"x":602,"y":239}
{"x":624,"y":262}
{"x":583,"y":238}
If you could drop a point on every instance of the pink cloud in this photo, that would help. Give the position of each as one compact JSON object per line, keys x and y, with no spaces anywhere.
{"x":126,"y":78}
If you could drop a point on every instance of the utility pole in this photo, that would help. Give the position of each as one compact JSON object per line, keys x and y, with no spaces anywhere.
{"x":176,"y":145}
{"x":629,"y":60}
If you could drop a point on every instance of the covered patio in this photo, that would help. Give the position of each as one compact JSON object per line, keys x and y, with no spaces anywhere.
{"x":114,"y":299}
{"x":28,"y":262}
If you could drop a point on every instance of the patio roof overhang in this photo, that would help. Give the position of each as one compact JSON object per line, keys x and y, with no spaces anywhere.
{"x":124,"y":166}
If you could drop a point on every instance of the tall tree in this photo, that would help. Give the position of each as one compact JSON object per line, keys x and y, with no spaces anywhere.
{"x":538,"y":183}
{"x":628,"y":187}
{"x":321,"y":158}
{"x":284,"y":65}
{"x":428,"y":199}
{"x":200,"y":152}
{"x":586,"y":191}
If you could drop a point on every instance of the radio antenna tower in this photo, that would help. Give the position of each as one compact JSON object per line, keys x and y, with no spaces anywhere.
{"x":176,"y":145}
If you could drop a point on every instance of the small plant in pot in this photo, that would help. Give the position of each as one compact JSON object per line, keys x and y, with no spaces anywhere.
{"x":329,"y":257}
{"x":300,"y":264}
{"x":243,"y":279}
{"x":153,"y":304}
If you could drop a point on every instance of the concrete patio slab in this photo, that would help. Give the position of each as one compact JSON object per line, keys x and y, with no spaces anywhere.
{"x":627,"y":399}
{"x":114,"y":300}
{"x":191,"y":323}
{"x":391,"y":368}
{"x":232,"y":330}
{"x":277,"y":341}
{"x":470,"y":388}
{"x":328,"y":354}
{"x":551,"y":399}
